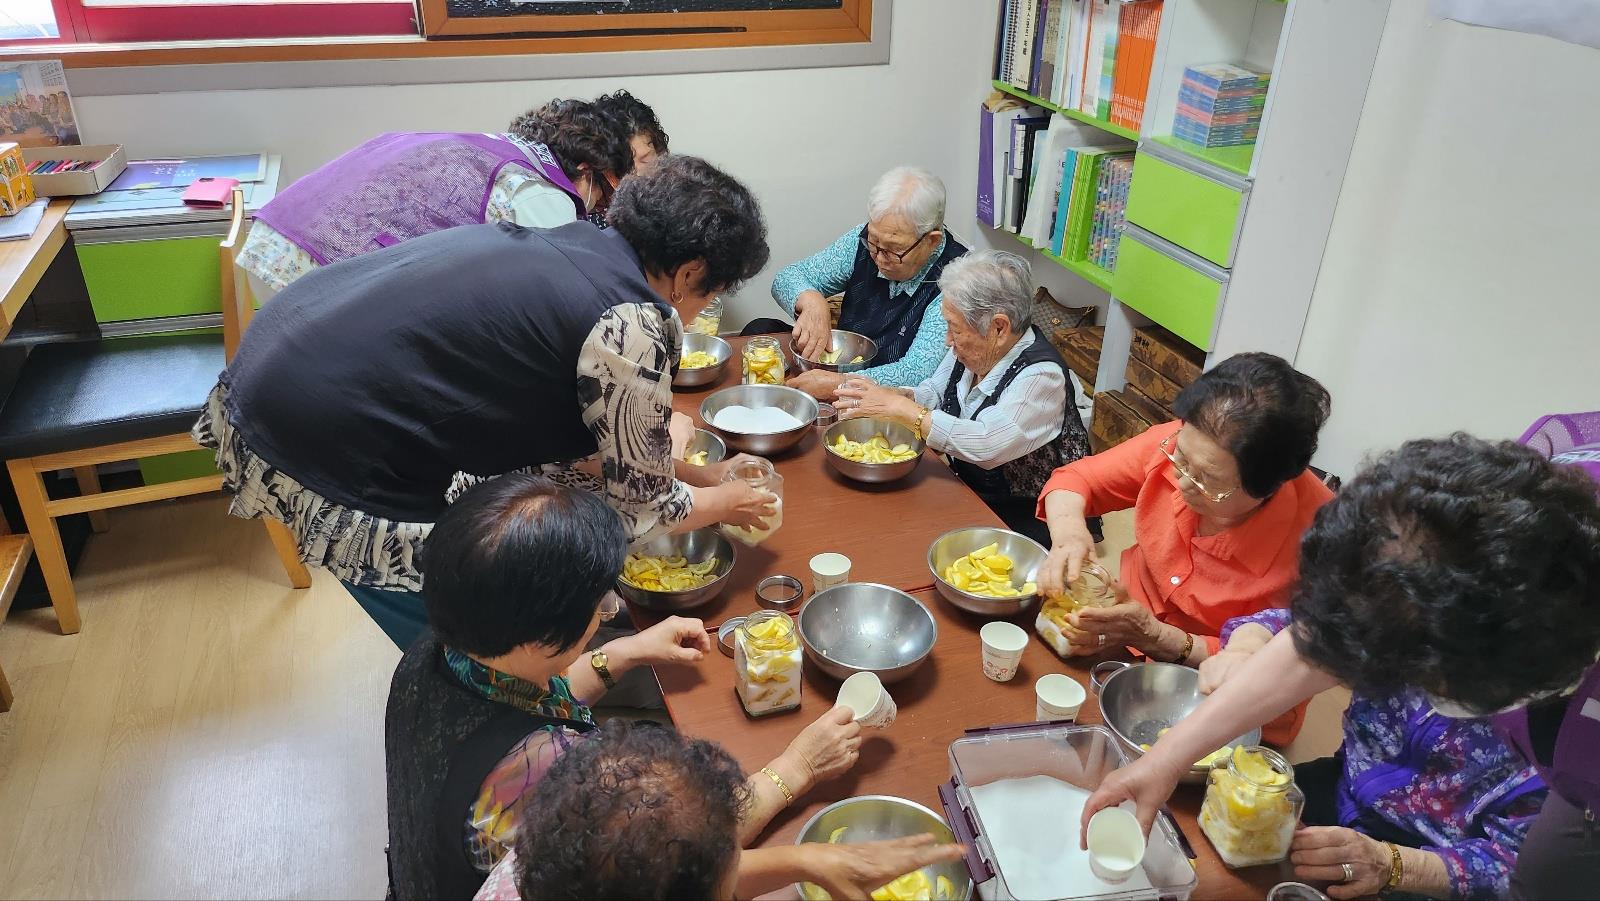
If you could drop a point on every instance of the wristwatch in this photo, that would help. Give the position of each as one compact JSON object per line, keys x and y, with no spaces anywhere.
{"x":597,"y":659}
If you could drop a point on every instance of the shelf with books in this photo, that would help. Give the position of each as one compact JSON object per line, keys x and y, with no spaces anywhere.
{"x":1084,"y":269}
{"x":1113,"y":128}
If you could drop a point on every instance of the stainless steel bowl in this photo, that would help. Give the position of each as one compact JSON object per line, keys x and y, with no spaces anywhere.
{"x":1025,"y":553}
{"x":706,"y":441}
{"x":795,"y":402}
{"x":872,"y":818}
{"x":1138,"y":700}
{"x":862,"y":430}
{"x":695,"y":547}
{"x":862,"y":627}
{"x":705,"y":375}
{"x":849,"y":345}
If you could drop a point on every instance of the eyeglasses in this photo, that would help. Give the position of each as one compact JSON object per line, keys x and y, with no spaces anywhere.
{"x":610,"y":606}
{"x":1184,"y":473}
{"x":877,"y":250}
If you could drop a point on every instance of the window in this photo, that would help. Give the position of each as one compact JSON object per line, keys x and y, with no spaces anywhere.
{"x":142,"y":21}
{"x":28,"y":20}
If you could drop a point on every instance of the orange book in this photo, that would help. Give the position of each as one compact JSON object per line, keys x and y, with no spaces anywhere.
{"x":1126,"y":51}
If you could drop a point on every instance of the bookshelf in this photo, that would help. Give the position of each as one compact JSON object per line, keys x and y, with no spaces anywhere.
{"x":1085,"y":118}
{"x":1084,"y":269}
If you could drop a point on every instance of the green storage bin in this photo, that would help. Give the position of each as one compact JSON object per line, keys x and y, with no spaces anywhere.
{"x":149,"y":279}
{"x":1198,"y":212}
{"x":1175,"y":288}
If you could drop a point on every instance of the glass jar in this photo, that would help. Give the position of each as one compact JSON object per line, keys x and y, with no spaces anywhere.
{"x":1251,"y":807}
{"x":1091,"y":589}
{"x":759,"y":473}
{"x":767,"y":663}
{"x":763,"y":361}
{"x":709,"y":322}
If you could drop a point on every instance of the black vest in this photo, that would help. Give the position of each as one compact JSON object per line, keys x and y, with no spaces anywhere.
{"x":868,"y":310}
{"x":374,"y":380}
{"x":441,"y":739}
{"x":1012,"y":489}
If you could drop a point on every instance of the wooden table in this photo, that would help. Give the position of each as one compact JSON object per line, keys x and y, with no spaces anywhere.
{"x":22,"y":263}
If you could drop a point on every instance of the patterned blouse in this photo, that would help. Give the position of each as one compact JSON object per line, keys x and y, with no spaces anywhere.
{"x":1452,"y":784}
{"x":829,"y":272}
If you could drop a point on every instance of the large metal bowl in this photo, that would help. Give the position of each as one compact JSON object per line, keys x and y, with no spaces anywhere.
{"x":862,"y":627}
{"x":872,"y":818}
{"x":849,"y":345}
{"x":1138,"y":700}
{"x":1025,"y":553}
{"x":695,"y":547}
{"x":797,"y":403}
{"x":863,"y":429}
{"x":705,"y":375}
{"x":706,"y":441}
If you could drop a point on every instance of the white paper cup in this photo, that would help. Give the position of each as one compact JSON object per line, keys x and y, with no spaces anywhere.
{"x":1057,"y":697}
{"x":1116,"y":844}
{"x":828,"y":570}
{"x":1003,"y":644}
{"x":866,"y":697}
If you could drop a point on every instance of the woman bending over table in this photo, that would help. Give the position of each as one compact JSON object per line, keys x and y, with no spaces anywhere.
{"x":1220,"y":499}
{"x":1000,"y":405}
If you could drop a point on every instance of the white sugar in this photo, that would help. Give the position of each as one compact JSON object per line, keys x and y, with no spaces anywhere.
{"x":756,"y":421}
{"x":1032,"y":824}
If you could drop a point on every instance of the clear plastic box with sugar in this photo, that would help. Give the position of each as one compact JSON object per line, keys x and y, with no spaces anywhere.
{"x":1014,"y":798}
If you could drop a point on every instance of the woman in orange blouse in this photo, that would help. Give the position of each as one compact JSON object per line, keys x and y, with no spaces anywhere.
{"x":1220,"y":498}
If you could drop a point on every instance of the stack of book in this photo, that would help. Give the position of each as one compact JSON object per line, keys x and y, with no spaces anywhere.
{"x":1219,"y":105}
{"x":1111,"y":203}
{"x":1090,"y":56}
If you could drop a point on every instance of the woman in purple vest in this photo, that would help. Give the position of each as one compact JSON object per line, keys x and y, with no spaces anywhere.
{"x":1465,"y":571}
{"x":559,"y":163}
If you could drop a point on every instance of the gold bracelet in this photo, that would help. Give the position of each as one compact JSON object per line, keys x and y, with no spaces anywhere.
{"x":788,"y":796}
{"x":922,"y":418}
{"x":1188,"y":648}
{"x":1397,"y":867}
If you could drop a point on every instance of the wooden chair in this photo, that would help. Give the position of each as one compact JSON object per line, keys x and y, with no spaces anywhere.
{"x":78,"y":405}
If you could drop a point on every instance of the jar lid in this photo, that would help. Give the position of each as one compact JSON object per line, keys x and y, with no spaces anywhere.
{"x":725,"y":634}
{"x":780,"y":592}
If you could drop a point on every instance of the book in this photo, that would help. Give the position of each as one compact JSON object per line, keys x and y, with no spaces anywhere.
{"x":35,"y":107}
{"x":1022,"y":53}
{"x":1050,"y":49}
{"x":1023,"y":130}
{"x":1045,"y":191}
{"x":1108,"y":60}
{"x":1102,"y":27}
{"x":985,"y":164}
{"x":1081,"y":11}
{"x":1002,"y":110}
{"x":1058,"y":233}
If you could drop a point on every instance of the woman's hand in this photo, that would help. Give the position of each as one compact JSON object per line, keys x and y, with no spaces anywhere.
{"x":1319,"y":852}
{"x":860,"y":397}
{"x":1214,"y":670}
{"x":813,"y":325}
{"x":681,"y":429}
{"x":1071,"y":546}
{"x":1146,"y":782}
{"x":676,"y":639}
{"x":1125,"y":623}
{"x":745,"y":504}
{"x":828,"y":747}
{"x":857,"y":870}
{"x":819,"y":383}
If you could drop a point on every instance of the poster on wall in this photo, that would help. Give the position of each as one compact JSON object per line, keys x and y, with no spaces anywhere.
{"x":1574,"y":21}
{"x":35,"y":108}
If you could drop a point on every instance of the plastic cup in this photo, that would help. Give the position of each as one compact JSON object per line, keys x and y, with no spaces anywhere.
{"x":1003,"y":644}
{"x":828,"y":570}
{"x":1116,"y":844}
{"x":1057,"y":697}
{"x":866,"y":697}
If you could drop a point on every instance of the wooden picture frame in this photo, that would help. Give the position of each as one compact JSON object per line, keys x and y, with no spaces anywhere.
{"x":849,"y":21}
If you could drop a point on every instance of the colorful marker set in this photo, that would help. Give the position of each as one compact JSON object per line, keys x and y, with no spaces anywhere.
{"x":56,"y":167}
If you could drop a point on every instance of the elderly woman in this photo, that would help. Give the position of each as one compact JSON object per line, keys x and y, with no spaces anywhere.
{"x":520,"y":572}
{"x":888,"y":270}
{"x":1464,"y":573}
{"x":634,"y":118}
{"x":999,"y":405}
{"x":558,"y":163}
{"x":359,"y":391}
{"x":1220,"y":499}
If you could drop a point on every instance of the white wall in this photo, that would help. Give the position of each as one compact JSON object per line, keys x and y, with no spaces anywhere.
{"x":1459,"y":285}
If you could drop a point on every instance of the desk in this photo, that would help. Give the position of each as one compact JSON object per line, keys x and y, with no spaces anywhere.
{"x":22,"y":263}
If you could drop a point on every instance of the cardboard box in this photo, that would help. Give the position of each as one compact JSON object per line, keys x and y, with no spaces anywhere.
{"x":16,"y":189}
{"x":1115,"y":421}
{"x":111,"y":161}
{"x":1160,"y":389}
{"x":1168,"y":354}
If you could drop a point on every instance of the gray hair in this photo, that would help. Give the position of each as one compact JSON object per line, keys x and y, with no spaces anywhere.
{"x":909,"y":191}
{"x":983,"y":284}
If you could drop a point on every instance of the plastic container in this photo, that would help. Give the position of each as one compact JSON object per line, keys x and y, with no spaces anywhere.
{"x":1092,"y":589}
{"x":1251,"y":807}
{"x":767,"y":663}
{"x":709,"y":322}
{"x":1079,"y":756}
{"x":763,"y":361}
{"x":759,"y":473}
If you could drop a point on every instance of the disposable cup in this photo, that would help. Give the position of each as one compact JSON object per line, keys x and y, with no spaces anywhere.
{"x":1057,"y":697}
{"x":866,"y":697}
{"x":1116,"y":844}
{"x":1003,"y":644}
{"x":828,"y":570}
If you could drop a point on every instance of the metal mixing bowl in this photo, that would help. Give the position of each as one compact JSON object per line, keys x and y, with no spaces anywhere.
{"x":695,"y":547}
{"x":1138,"y":700}
{"x":706,"y":441}
{"x":862,"y":430}
{"x":871,"y":818}
{"x":849,"y":345}
{"x":1025,"y":553}
{"x":795,"y":402}
{"x":705,"y":375}
{"x":862,"y":627}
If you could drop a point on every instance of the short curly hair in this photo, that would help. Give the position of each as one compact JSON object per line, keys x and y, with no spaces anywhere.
{"x":1469,"y":569}
{"x":634,"y":117}
{"x":636,"y":811}
{"x":577,"y":132}
{"x":1266,"y":413}
{"x":686,"y":209}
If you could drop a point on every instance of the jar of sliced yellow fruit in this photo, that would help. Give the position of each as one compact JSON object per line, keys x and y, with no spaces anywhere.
{"x":763,"y":362}
{"x":709,"y":321}
{"x":1091,"y":589}
{"x":1251,"y":807}
{"x":767,"y":663}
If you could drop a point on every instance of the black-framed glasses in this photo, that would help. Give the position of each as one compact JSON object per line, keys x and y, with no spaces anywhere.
{"x":1184,"y":473}
{"x":875,"y":249}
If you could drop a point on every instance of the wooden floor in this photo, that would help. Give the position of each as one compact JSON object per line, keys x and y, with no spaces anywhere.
{"x":211,"y":732}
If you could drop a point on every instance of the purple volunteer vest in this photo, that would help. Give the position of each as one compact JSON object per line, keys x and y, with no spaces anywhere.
{"x":1574,"y":770}
{"x":400,"y":186}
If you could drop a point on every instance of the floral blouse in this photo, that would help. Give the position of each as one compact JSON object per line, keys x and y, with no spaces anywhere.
{"x":1452,"y":784}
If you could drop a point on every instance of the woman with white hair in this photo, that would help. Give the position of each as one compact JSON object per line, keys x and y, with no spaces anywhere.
{"x":1000,"y":406}
{"x":888,"y":270}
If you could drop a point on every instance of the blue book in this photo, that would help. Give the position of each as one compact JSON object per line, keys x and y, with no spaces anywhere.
{"x":1069,"y":169}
